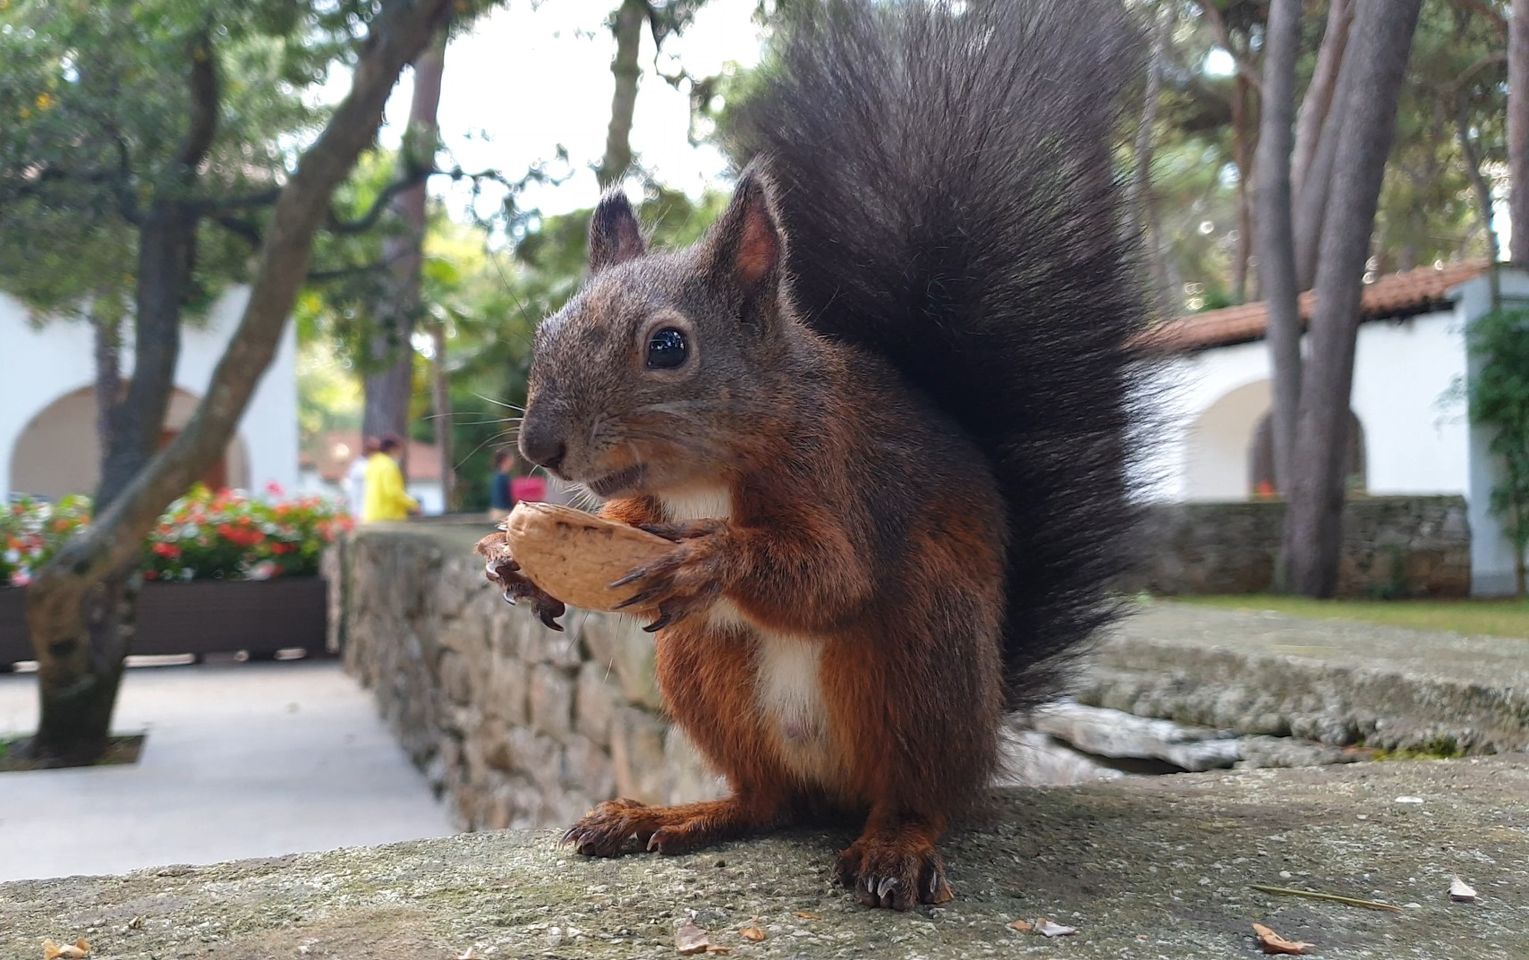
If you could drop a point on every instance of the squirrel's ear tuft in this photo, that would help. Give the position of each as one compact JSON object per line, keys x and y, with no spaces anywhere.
{"x":747,"y":243}
{"x":614,"y":234}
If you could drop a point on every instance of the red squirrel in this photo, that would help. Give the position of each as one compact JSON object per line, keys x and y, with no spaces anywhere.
{"x":881,"y":408}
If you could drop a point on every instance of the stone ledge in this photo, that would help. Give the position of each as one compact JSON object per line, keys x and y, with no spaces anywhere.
{"x":1145,"y":869}
{"x":1333,"y":681}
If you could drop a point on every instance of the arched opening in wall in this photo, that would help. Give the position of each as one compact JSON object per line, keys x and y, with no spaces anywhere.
{"x":1261,"y":458}
{"x":1216,"y":443}
{"x":59,"y":452}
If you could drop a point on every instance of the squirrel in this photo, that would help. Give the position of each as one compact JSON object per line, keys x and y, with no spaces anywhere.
{"x":882,"y":409}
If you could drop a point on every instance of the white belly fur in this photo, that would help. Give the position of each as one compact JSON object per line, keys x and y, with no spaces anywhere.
{"x":787,"y":687}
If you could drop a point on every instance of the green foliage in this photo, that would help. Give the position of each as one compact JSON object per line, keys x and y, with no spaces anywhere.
{"x":96,"y":104}
{"x":1499,"y":399}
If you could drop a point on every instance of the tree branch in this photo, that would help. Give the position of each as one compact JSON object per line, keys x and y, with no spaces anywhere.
{"x":204,"y":102}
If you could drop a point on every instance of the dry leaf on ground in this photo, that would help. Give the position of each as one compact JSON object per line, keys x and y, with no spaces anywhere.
{"x":752,"y":933}
{"x":1271,"y":942}
{"x":690,"y":939}
{"x":1023,"y":926}
{"x":1461,"y":892}
{"x":68,"y":951}
{"x":1048,"y":928}
{"x":807,"y":915}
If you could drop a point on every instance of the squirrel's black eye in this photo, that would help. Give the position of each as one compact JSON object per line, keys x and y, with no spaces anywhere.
{"x":667,"y":349}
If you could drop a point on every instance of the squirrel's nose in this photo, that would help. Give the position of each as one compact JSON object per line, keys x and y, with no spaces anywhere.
{"x":542,"y":445}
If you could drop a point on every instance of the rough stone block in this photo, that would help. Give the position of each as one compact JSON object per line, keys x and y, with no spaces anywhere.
{"x":619,"y":645}
{"x":551,"y":701}
{"x":637,"y":755}
{"x":507,"y":693}
{"x":587,"y":770}
{"x":594,"y":702}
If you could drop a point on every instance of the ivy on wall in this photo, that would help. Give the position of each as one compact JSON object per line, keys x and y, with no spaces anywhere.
{"x":1499,"y":399}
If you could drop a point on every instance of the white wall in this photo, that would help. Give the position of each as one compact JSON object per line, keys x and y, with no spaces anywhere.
{"x":41,"y":365}
{"x":1408,"y":378}
{"x":1414,"y":442}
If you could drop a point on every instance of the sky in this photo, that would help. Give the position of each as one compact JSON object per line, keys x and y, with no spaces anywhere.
{"x":528,"y":77}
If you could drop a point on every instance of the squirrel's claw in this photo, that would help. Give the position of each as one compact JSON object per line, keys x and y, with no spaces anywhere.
{"x":514,"y":587}
{"x":686,"y":580}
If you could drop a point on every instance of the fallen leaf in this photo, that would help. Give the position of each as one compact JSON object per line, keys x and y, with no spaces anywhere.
{"x":1461,"y":892}
{"x":752,"y":933}
{"x":135,"y":924}
{"x":807,"y":915}
{"x":1023,"y":926}
{"x":1047,"y":928}
{"x":1271,"y":942}
{"x":690,"y":939}
{"x":69,"y":951}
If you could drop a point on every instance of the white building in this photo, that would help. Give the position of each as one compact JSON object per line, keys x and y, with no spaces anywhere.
{"x":1412,"y":435}
{"x":48,"y":442}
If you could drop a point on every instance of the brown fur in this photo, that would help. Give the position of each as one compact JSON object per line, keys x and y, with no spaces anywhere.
{"x":861,"y":522}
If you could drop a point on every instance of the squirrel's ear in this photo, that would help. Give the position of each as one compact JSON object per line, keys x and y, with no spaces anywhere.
{"x":747,"y":244}
{"x":614,"y":234}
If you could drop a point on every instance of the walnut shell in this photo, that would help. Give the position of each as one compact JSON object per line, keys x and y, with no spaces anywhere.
{"x":575,"y":556}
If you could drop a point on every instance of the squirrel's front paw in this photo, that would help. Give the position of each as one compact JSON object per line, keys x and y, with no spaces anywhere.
{"x":687,"y":579}
{"x":505,"y":574}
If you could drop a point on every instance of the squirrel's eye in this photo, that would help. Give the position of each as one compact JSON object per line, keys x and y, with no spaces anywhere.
{"x":667,"y":349}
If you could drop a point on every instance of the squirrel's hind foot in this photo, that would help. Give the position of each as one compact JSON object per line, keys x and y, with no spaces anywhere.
{"x":895,"y":867}
{"x":616,"y":827}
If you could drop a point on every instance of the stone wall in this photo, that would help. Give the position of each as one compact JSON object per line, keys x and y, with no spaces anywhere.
{"x":516,"y":724}
{"x":1392,"y":547}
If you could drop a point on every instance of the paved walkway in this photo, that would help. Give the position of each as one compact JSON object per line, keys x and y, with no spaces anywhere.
{"x":242,"y":760}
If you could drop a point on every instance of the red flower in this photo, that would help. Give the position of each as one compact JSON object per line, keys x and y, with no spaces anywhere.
{"x":167,"y":550}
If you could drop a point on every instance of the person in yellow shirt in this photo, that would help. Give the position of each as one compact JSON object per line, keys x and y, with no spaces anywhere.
{"x":386,"y":498}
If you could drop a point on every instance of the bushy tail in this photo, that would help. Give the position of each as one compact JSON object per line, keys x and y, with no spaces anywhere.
{"x":946,"y":181}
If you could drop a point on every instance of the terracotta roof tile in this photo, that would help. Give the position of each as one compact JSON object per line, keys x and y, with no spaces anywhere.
{"x":1393,"y":295}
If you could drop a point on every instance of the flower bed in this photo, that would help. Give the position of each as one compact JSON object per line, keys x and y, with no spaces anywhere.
{"x":222,"y":542}
{"x":205,"y":535}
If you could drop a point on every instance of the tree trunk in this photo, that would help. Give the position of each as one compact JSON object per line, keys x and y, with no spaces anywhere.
{"x":1244,"y":247}
{"x":1319,"y":92}
{"x":106,"y":332}
{"x":390,"y":386}
{"x":1382,"y":43}
{"x":79,"y":672}
{"x":1518,"y":132}
{"x":1142,"y":208}
{"x":1310,"y":211}
{"x":78,"y":623}
{"x":165,"y":241}
{"x":1276,"y":243}
{"x":442,"y":398}
{"x":627,"y":28}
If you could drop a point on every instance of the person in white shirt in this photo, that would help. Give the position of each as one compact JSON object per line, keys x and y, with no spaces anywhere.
{"x":355,"y":477}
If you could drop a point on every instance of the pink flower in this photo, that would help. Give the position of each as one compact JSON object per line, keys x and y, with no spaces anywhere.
{"x":20,"y":578}
{"x":274,"y":488}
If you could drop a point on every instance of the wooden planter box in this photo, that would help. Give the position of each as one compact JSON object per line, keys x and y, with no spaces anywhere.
{"x":204,"y":616}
